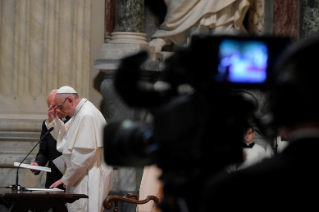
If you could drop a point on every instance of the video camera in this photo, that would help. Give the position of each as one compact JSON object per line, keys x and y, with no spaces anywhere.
{"x":193,"y":135}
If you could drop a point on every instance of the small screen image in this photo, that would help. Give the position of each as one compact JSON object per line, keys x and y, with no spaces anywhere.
{"x":242,"y":61}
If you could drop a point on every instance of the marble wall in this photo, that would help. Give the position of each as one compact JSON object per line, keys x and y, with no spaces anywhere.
{"x":309,"y":15}
{"x":285,"y":18}
{"x":294,"y":18}
{"x":44,"y":44}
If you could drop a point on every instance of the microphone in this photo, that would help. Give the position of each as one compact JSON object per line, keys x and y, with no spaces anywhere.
{"x":17,"y":187}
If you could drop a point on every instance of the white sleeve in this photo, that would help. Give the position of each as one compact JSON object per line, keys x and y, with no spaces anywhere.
{"x":58,"y":132}
{"x":58,"y":126}
{"x":83,"y":152}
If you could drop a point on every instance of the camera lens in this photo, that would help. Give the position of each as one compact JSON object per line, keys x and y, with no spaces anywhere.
{"x":126,"y":142}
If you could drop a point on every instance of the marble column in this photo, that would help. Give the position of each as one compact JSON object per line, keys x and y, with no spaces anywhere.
{"x":129,"y":16}
{"x":128,"y":36}
{"x":308,"y":20}
{"x":129,"y":19}
{"x":109,"y":19}
{"x":285,"y":18}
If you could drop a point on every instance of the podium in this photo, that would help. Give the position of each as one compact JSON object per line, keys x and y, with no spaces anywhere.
{"x":23,"y":201}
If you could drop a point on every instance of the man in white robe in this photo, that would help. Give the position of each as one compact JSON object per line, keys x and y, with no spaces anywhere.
{"x":184,"y":15}
{"x":253,"y":153}
{"x":81,"y":142}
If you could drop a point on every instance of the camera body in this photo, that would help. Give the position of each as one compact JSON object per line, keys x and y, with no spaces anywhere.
{"x":216,"y":67}
{"x":193,"y":135}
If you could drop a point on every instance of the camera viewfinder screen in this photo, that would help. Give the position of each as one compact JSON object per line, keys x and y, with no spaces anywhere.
{"x":242,"y":61}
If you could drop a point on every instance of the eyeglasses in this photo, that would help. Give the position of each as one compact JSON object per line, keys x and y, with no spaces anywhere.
{"x":60,"y":106}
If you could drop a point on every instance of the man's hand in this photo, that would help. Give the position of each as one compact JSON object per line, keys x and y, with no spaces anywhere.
{"x":34,"y":171}
{"x":57,"y":183}
{"x":52,"y":112}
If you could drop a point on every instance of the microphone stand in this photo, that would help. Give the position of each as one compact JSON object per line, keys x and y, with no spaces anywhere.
{"x":17,"y":187}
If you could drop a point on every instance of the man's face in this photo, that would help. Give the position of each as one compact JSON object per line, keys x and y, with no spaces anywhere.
{"x":50,"y":100}
{"x":63,"y":106}
{"x":249,"y":135}
{"x":60,"y":114}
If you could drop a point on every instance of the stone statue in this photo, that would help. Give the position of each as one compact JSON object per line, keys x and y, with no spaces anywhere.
{"x":187,"y":17}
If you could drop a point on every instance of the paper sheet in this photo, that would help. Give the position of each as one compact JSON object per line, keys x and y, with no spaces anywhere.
{"x":27,"y":166}
{"x":59,"y":162}
{"x":45,"y":189}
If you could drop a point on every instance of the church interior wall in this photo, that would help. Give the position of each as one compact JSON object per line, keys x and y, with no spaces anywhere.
{"x":97,"y":39}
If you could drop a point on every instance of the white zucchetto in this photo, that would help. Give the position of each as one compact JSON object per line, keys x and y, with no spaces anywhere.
{"x":65,"y":89}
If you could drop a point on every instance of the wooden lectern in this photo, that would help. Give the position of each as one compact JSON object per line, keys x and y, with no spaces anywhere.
{"x":37,"y":200}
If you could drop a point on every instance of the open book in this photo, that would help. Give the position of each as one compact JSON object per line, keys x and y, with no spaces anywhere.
{"x":27,"y":166}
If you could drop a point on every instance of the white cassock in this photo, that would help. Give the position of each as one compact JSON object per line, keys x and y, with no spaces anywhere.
{"x":202,"y":14}
{"x":269,"y":151}
{"x":253,"y":155}
{"x":81,"y":141}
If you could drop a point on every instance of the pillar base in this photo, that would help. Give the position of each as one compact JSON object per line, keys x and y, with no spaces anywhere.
{"x":128,"y":38}
{"x":116,"y":51}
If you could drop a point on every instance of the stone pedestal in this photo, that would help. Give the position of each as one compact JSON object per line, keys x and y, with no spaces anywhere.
{"x":119,"y":48}
{"x":112,"y":53}
{"x":117,"y":51}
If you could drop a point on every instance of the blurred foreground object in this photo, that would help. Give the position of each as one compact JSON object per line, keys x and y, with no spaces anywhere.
{"x":287,"y":177}
{"x":196,"y":132}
